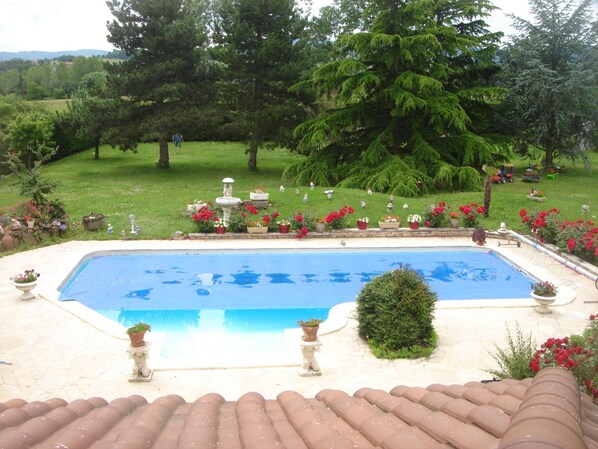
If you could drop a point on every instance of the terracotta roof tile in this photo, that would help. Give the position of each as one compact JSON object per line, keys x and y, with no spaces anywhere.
{"x":546,"y":412}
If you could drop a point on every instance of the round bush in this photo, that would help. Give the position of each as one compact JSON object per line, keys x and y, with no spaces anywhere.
{"x":395,"y":313}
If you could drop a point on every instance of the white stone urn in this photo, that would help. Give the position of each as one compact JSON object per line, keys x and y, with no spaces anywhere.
{"x":26,"y":288}
{"x":543,"y":303}
{"x":259,"y":196}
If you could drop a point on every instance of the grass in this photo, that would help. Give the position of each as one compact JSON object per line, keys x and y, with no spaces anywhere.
{"x":52,"y":105}
{"x":120,"y":184}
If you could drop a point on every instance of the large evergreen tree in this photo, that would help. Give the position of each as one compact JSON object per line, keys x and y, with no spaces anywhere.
{"x":163,"y":80}
{"x":551,"y":71}
{"x":259,"y":42}
{"x":411,"y":101}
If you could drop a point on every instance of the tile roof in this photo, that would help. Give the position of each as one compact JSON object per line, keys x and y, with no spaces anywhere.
{"x":547,"y":412}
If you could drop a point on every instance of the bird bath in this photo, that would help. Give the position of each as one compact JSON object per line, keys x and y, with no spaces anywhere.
{"x":227,"y":202}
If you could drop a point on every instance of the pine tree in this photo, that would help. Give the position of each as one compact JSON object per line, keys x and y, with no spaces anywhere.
{"x":551,"y":71}
{"x":259,"y":42}
{"x":163,"y":80}
{"x":411,"y":101}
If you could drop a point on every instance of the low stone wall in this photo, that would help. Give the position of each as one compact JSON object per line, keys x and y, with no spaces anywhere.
{"x":348,"y":233}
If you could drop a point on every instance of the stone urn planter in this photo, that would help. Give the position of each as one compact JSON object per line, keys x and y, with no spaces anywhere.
{"x":25,"y":288}
{"x":8,"y":241}
{"x":310,"y":329}
{"x":543,"y":303}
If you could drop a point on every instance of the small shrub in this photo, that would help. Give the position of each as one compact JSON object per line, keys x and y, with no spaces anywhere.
{"x":514,"y":360}
{"x":395,"y":313}
{"x":236,"y":222}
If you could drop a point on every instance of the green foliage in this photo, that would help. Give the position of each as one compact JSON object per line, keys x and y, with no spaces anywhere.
{"x":513,"y":361}
{"x":259,"y":42}
{"x":395,"y":313}
{"x":551,"y":71}
{"x":236,"y":222}
{"x":410,"y":89}
{"x":158,"y":84}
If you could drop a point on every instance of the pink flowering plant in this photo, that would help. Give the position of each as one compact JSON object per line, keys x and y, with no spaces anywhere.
{"x":26,"y":277}
{"x":576,"y":353}
{"x":544,"y":288}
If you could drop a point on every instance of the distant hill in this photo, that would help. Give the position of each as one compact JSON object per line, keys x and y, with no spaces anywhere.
{"x":29,"y":55}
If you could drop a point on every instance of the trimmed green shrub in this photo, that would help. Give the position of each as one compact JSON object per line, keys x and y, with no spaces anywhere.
{"x":395,"y":313}
{"x":514,"y":360}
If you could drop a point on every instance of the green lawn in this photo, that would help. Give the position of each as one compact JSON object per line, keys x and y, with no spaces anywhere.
{"x":120,"y":184}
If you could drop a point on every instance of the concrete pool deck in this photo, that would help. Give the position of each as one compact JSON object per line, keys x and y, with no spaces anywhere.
{"x":60,"y":352}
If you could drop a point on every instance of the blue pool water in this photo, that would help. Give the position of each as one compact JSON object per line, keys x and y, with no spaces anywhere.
{"x":268,"y":291}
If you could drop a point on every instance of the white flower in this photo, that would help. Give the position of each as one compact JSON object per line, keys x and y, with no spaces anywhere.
{"x":414,"y":218}
{"x":364,"y":219}
{"x":405,"y":206}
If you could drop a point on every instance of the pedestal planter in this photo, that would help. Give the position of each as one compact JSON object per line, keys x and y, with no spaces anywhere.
{"x":455,"y":223}
{"x":362,"y":225}
{"x":257,"y":229}
{"x":26,"y":288}
{"x":389,"y":225}
{"x":543,"y":303}
{"x":414,"y":225}
{"x":284,"y":229}
{"x":220,"y":230}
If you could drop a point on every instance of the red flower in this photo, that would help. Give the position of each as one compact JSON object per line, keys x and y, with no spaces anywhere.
{"x":522,"y":213}
{"x":571,"y":244}
{"x":427,"y":223}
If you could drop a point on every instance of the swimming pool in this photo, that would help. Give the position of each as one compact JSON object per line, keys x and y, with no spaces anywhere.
{"x":235,"y":295}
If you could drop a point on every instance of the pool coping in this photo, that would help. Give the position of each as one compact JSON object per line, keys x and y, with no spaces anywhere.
{"x":338,"y":319}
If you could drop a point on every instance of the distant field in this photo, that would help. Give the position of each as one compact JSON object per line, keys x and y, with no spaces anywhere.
{"x":120,"y":184}
{"x":52,"y":105}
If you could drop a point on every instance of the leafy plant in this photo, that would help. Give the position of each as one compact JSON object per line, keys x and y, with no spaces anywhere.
{"x":514,"y":360}
{"x":544,"y":288}
{"x":437,"y":216}
{"x":26,"y":277}
{"x":312,"y":322}
{"x":395,"y":313}
{"x":139,"y":327}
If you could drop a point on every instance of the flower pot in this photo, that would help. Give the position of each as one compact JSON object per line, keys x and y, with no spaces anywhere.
{"x":362,"y":225}
{"x":93,"y":222}
{"x":543,"y":303}
{"x":137,"y":339}
{"x":254,"y":196}
{"x":537,"y":198}
{"x":284,"y":229}
{"x":413,"y":225}
{"x":30,"y":224}
{"x":455,"y":223}
{"x":310,"y":333}
{"x":220,"y":230}
{"x":257,"y":229}
{"x":320,"y":227}
{"x":389,"y":225}
{"x":26,"y":288}
{"x":8,"y":241}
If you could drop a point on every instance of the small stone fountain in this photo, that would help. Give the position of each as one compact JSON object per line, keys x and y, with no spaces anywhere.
{"x":228,"y":201}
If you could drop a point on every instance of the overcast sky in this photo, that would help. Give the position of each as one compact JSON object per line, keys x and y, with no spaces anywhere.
{"x":57,"y":25}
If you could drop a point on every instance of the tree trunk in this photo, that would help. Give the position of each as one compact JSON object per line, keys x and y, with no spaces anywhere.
{"x":164,"y":161}
{"x":252,"y":162}
{"x":487,"y":194}
{"x":96,"y":154}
